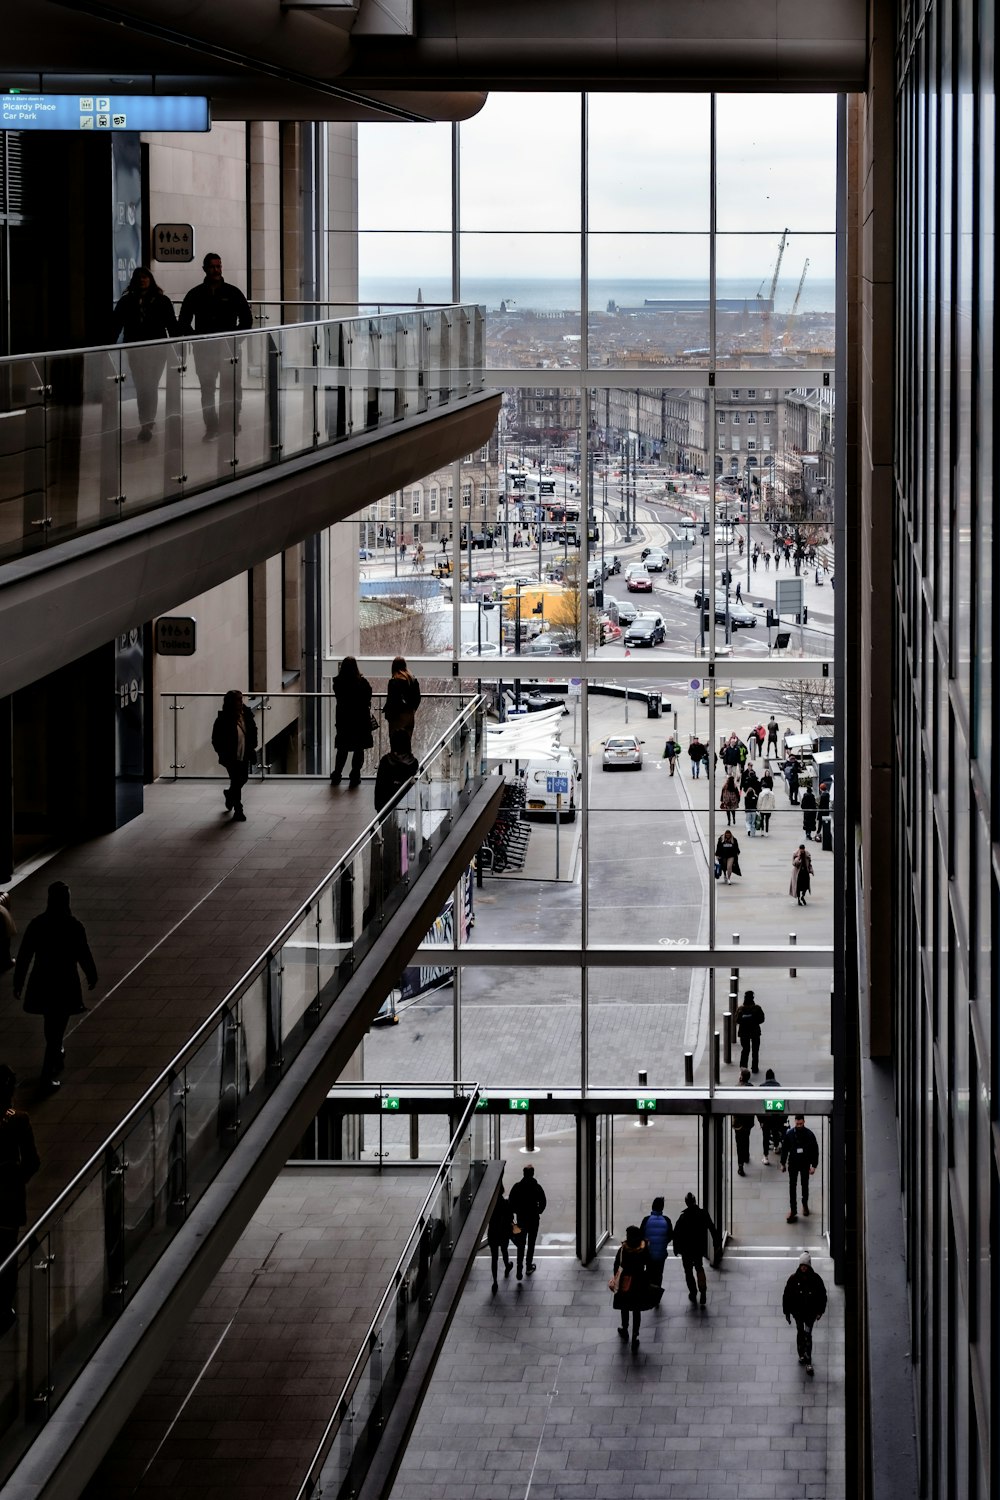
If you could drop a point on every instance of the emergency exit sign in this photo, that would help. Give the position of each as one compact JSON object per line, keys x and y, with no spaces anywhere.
{"x":645,"y":1103}
{"x":778,"y":1104}
{"x":519,"y":1104}
{"x":390,"y":1101}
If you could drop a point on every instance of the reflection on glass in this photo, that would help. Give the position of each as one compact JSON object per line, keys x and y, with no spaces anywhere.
{"x":776,"y":163}
{"x":648,"y":299}
{"x":636,"y":184}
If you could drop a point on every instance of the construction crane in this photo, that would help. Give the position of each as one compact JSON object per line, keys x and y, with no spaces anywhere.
{"x":795,"y":305}
{"x":766,"y":304}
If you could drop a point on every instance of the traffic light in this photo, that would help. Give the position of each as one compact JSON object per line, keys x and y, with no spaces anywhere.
{"x":599,"y":596}
{"x":602,"y":634}
{"x":727,"y":577}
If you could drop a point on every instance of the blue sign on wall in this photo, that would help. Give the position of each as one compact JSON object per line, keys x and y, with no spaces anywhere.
{"x":95,"y":112}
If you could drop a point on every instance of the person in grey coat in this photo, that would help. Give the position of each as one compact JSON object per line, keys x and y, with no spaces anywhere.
{"x":54,"y":948}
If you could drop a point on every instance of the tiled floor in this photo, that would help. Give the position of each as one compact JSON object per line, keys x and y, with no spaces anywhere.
{"x":536,"y":1396}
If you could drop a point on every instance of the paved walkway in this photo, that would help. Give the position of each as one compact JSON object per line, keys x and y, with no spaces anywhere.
{"x":536,"y":1396}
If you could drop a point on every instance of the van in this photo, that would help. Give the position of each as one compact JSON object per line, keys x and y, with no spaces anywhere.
{"x":541,"y":778}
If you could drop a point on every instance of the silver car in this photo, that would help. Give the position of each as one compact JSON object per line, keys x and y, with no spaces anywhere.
{"x":622,"y":752}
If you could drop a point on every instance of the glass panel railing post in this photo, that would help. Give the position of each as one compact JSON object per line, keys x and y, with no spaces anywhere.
{"x":39,"y":1365}
{"x":272,"y":395}
{"x":228,"y":1093}
{"x":275,"y":1029}
{"x":174,"y":475}
{"x":115,"y":1167}
{"x":177,"y":1174}
{"x":111,"y":378}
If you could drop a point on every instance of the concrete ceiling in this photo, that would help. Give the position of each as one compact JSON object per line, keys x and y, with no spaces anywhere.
{"x":434,"y":59}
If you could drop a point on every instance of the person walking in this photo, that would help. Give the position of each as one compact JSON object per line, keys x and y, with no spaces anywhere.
{"x":823,"y":825}
{"x":18,"y":1164}
{"x":729,"y":799}
{"x":353,"y":693}
{"x":750,"y":804}
{"x":772,"y":735}
{"x":630,"y":1284}
{"x":402,"y":699}
{"x":53,"y":948}
{"x":800,"y":1158}
{"x":698,"y":754}
{"x":771,"y":1124}
{"x":791,"y":770}
{"x":727,"y":854}
{"x":731,"y":753}
{"x":692,"y":1244}
{"x":142,"y":314}
{"x":742,"y":1130}
{"x":8,"y":930}
{"x":498,"y":1235}
{"x":527,"y":1201}
{"x":801,"y":882}
{"x":234,"y":740}
{"x":749,"y":1019}
{"x":765,"y":805}
{"x":804,"y":1300}
{"x":671,"y":750}
{"x":215,"y":306}
{"x":657,"y":1230}
{"x":807,"y":802}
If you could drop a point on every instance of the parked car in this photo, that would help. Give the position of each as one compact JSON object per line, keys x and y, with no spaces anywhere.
{"x":645,"y":631}
{"x":639,"y":582}
{"x":622,"y":752}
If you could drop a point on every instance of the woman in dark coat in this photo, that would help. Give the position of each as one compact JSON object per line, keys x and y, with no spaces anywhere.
{"x":354,"y":721}
{"x":234,"y":740}
{"x":633,"y":1294}
{"x":143,"y":313}
{"x":808,"y":804}
{"x":727,"y":852}
{"x":18,"y":1162}
{"x":402,"y":699}
{"x":801,"y":881}
{"x":498,"y":1236}
{"x":54,"y":946}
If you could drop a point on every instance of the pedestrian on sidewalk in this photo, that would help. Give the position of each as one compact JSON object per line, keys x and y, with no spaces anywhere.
{"x":800,"y":1158}
{"x":765,"y":805}
{"x":772,"y":735}
{"x":692,"y":1244}
{"x":234,"y":740}
{"x":749,"y":1019}
{"x":53,"y":948}
{"x":823,"y":825}
{"x":498,"y":1236}
{"x":354,"y":730}
{"x":671,"y":750}
{"x":527,"y":1201}
{"x":727,"y":856}
{"x":657,"y":1230}
{"x":729,"y":800}
{"x":698,"y":754}
{"x":807,"y":802}
{"x":804,"y":1299}
{"x":630,"y":1283}
{"x":750,"y":800}
{"x":791,"y":770}
{"x":18,"y":1163}
{"x":742,"y":1129}
{"x":801,"y":882}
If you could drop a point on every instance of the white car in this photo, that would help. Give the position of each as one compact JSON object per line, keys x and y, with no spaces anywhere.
{"x":622,"y":752}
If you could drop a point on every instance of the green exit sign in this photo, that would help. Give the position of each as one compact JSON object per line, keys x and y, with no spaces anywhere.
{"x":519,"y":1104}
{"x":390,"y":1101}
{"x":482,"y":1102}
{"x":645,"y":1103}
{"x":778,"y":1104}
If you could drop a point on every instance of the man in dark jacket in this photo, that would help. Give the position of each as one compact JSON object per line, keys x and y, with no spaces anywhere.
{"x":216,"y":307}
{"x":698,"y":753}
{"x":657,"y":1230}
{"x":691,"y":1243}
{"x":53,"y":948}
{"x":18,"y":1162}
{"x":749,"y":1019}
{"x":527,"y":1200}
{"x":234,"y":740}
{"x":800,"y":1157}
{"x":804,"y":1300}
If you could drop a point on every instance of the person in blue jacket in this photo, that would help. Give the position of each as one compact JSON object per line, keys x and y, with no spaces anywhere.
{"x":657,"y":1230}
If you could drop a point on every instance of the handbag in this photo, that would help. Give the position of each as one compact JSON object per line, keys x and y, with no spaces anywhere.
{"x":372,"y":721}
{"x":614,"y":1282}
{"x":758,"y":821}
{"x":718,"y":868}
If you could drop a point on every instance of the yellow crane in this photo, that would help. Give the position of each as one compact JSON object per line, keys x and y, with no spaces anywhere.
{"x":795,"y":306}
{"x":766,"y":304}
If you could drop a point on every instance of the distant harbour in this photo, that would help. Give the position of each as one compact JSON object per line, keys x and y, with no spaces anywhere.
{"x":563,"y":295}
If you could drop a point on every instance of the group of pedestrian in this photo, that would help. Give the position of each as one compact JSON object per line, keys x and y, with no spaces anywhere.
{"x":517,"y":1219}
{"x":146,"y":313}
{"x":637,"y":1278}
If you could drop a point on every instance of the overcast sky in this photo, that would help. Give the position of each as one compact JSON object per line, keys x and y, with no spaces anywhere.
{"x":649,"y":176}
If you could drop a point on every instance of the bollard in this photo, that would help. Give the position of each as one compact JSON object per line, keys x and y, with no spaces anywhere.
{"x":734,"y":979}
{"x":715,"y":1058}
{"x":529,"y":1131}
{"x":414,"y":1137}
{"x":727,"y":1034}
{"x":689,"y":1067}
{"x":643,"y":1119}
{"x":792,"y":940}
{"x":736,"y":943}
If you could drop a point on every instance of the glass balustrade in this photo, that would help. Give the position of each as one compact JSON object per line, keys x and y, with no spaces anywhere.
{"x":80,"y":1265}
{"x":93,"y":436}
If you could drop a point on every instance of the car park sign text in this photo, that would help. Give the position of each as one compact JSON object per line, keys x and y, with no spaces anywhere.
{"x":99,"y":112}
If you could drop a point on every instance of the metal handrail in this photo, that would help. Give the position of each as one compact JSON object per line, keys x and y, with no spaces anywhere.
{"x":94,"y":1162}
{"x":351,"y":1383}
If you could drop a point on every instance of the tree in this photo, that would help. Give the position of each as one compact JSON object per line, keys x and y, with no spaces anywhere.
{"x":805,"y":698}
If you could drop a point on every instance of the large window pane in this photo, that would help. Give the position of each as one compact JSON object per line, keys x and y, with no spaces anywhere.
{"x":648,"y":162}
{"x":520,"y":163}
{"x":649,"y":299}
{"x":404,"y":176}
{"x":776,"y":162}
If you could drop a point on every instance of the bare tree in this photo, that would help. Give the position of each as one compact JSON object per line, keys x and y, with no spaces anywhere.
{"x":805,"y":698}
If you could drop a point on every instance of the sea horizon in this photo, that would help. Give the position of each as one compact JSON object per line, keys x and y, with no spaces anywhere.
{"x":562,"y":294}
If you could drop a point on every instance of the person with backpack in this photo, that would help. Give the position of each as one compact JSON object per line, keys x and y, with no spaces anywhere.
{"x":657,"y":1230}
{"x":671,"y":750}
{"x":749,"y":1019}
{"x":402,"y":699}
{"x":691,"y":1243}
